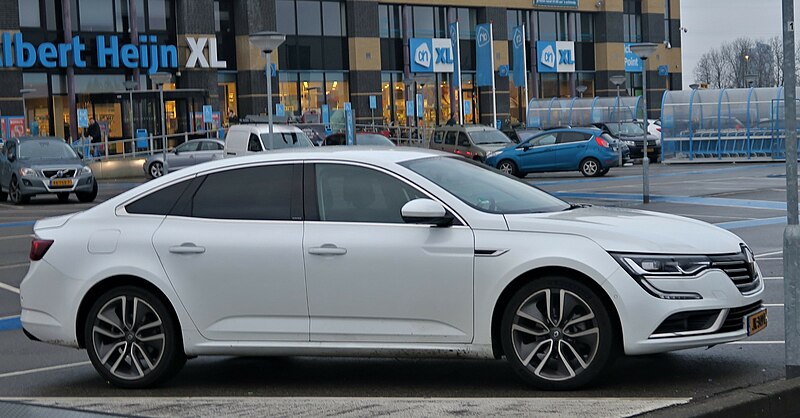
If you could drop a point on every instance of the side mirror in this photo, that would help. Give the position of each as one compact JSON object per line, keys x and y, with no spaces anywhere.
{"x":426,"y":212}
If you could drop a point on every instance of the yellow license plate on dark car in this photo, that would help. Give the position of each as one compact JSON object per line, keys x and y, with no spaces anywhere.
{"x":61,"y":183}
{"x":756,"y":322}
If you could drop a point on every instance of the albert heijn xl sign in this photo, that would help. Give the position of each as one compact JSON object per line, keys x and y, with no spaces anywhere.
{"x":431,"y":55}
{"x":555,"y":57}
{"x":108,"y":52}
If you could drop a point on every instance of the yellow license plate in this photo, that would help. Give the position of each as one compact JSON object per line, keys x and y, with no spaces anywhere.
{"x":756,"y":322}
{"x":649,"y":150}
{"x":61,"y":183}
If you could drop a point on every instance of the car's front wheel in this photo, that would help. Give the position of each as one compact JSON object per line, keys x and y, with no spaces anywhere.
{"x":508,"y":167}
{"x":590,"y":167}
{"x":86,"y":197}
{"x":557,"y":334}
{"x":156,"y":169}
{"x":15,"y":194}
{"x":132,"y":339}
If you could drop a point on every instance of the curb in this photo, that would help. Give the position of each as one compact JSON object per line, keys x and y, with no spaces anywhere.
{"x":780,"y":398}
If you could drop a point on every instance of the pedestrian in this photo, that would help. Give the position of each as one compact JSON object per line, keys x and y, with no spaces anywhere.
{"x":93,"y":132}
{"x":452,"y":120}
{"x":231,"y":117}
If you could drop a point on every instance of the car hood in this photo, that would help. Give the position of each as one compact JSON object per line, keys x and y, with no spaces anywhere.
{"x":495,"y":147}
{"x":45,"y":164}
{"x":628,"y":230}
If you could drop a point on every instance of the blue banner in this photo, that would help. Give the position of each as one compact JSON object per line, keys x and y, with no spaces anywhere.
{"x":208,"y":114}
{"x":373,"y":102}
{"x":410,"y":108}
{"x":420,"y":106}
{"x":280,"y":110}
{"x":349,"y":126}
{"x":456,"y":59}
{"x":520,"y":64}
{"x":484,"y":55}
{"x":326,"y":115}
{"x":633,"y":64}
{"x":83,"y":118}
{"x":467,"y":107}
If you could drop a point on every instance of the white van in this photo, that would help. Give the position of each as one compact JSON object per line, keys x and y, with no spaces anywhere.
{"x":249,"y":139}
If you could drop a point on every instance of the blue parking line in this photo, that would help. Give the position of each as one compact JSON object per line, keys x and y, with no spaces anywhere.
{"x":705,"y":201}
{"x":752,"y":223}
{"x":13,"y":224}
{"x":10,"y":324}
{"x":663,"y":175}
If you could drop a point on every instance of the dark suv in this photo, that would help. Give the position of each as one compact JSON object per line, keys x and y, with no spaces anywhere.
{"x":630,"y":132}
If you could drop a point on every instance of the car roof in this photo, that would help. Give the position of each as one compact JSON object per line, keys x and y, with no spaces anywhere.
{"x":207,"y":139}
{"x":264,"y":128}
{"x":593,"y":131}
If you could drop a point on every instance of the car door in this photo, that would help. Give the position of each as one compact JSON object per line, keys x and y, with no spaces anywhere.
{"x":538,"y":154}
{"x":463,"y":145}
{"x":207,"y":152}
{"x":232,"y":249}
{"x":5,"y":164}
{"x":183,"y":156}
{"x":450,"y":141}
{"x":571,"y":149}
{"x":373,"y":278}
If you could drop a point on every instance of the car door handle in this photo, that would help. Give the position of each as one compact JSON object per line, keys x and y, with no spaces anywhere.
{"x":187,"y":248}
{"x":327,"y":249}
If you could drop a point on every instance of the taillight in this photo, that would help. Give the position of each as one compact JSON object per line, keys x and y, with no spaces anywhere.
{"x":39,"y":247}
{"x":602,"y":142}
{"x":658,"y":129}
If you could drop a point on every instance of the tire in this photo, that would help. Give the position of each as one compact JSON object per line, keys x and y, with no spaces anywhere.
{"x":590,"y":167}
{"x":550,"y":360}
{"x":604,"y":171}
{"x":15,"y":194}
{"x":508,"y":167}
{"x":86,"y":197}
{"x":151,"y":346}
{"x":3,"y":195}
{"x":63,"y":197}
{"x":156,"y":169}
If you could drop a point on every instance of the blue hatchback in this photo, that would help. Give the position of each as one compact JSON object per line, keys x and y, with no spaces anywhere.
{"x":583,"y":149}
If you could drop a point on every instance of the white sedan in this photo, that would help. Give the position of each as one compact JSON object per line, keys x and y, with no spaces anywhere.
{"x":383,"y":252}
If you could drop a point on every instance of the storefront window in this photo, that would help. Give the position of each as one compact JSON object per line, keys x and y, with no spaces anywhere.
{"x":288,"y":92}
{"x":36,"y":103}
{"x":95,"y":15}
{"x":444,"y":98}
{"x":29,"y":14}
{"x":336,"y":90}
{"x":587,"y":79}
{"x":470,"y":93}
{"x":310,"y":18}
{"x":549,"y":85}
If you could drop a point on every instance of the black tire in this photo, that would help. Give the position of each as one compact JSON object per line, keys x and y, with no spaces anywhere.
{"x":592,"y":339}
{"x":63,"y":197}
{"x":155,"y":169}
{"x":590,"y":167}
{"x":508,"y":167}
{"x":86,"y":197}
{"x":143,"y":344}
{"x":15,"y":194}
{"x":3,"y":195}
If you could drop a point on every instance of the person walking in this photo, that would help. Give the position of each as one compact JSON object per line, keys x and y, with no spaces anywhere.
{"x":93,"y":132}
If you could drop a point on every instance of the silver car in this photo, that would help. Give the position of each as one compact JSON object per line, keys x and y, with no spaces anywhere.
{"x":32,"y":166}
{"x":184,"y":155}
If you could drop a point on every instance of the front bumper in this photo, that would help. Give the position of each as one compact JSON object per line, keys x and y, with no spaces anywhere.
{"x":34,"y":185}
{"x":653,"y":153}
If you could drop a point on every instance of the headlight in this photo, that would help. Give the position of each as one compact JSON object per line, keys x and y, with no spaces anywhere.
{"x":493,"y":153}
{"x":647,"y":269}
{"x":629,"y":142}
{"x":25,"y":171}
{"x":86,"y":170}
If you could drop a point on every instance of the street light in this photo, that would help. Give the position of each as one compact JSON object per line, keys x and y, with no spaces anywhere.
{"x":618,"y":80}
{"x":267,"y":42}
{"x":581,"y":89}
{"x":644,"y":51}
{"x":22,"y":93}
{"x":161,"y":78}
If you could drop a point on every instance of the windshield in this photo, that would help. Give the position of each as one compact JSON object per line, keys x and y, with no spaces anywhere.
{"x":626,"y":129}
{"x":489,"y":136}
{"x":44,"y":149}
{"x":286,"y":140}
{"x":483,"y":188}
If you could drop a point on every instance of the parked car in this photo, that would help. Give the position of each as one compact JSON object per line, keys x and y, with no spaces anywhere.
{"x":189,"y":153}
{"x":395,"y":252}
{"x":471,"y":141}
{"x":248,"y":139}
{"x":632,"y":133}
{"x":32,"y":166}
{"x":360,"y":139}
{"x":569,"y":149}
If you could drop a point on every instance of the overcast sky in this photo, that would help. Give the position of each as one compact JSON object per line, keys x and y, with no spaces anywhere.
{"x":712,"y":22}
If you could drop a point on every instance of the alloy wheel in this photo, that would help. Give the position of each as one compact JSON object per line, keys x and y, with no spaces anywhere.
{"x":156,"y":169}
{"x":590,"y":168}
{"x":555,"y":334}
{"x":128,"y":337}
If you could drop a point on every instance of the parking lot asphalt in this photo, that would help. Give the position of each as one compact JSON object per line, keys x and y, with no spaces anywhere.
{"x":747,"y":199}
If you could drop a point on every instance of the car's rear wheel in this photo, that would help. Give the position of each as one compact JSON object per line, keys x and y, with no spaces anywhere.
{"x":508,"y":167}
{"x":132,"y":339}
{"x":86,"y":197}
{"x":156,"y":169}
{"x":15,"y":194}
{"x":590,"y":167}
{"x":557,"y":334}
{"x":63,"y":197}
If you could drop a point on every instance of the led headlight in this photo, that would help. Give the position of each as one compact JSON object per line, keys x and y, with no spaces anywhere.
{"x":646,"y":269}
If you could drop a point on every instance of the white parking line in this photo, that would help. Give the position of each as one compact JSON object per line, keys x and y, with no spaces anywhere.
{"x":44,"y":369}
{"x":774,"y":278}
{"x":10,"y":288}
{"x":769,"y":254}
{"x":16,"y":237}
{"x":14,"y":266}
{"x":756,"y":343}
{"x":773,"y":305}
{"x":770,"y":258}
{"x":8,"y":317}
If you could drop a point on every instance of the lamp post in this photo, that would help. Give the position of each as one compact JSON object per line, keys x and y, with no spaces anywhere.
{"x":644,"y":51}
{"x":267,"y":42}
{"x":618,"y":80}
{"x":746,"y":68}
{"x":160,"y":79}
{"x":23,"y":92}
{"x":581,"y":89}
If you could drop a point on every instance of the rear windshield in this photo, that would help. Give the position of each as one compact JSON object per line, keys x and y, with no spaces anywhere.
{"x":44,"y":149}
{"x":286,"y":140}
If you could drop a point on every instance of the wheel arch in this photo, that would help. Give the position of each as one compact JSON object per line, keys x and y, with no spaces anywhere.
{"x":538,"y":273}
{"x":118,"y":281}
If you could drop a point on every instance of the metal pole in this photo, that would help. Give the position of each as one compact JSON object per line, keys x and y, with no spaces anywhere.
{"x":494,"y":90}
{"x":619,"y":128}
{"x":163,"y":129}
{"x":525,"y":65}
{"x":269,"y":94}
{"x":24,"y":114}
{"x":460,"y":81}
{"x":791,"y":235}
{"x":133,"y":128}
{"x":645,"y":159}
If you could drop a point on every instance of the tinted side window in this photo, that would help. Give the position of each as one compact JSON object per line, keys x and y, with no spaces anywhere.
{"x":567,"y":137}
{"x":438,"y":137}
{"x":210,"y":146}
{"x":463,"y":141}
{"x":547,"y":139}
{"x":357,"y":194}
{"x":160,"y":202}
{"x":255,"y":193}
{"x":187,"y":147}
{"x":254,"y":144}
{"x":450,"y":139}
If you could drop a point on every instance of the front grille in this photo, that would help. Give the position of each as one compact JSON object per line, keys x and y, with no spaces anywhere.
{"x":737,"y":267}
{"x":735,"y":319}
{"x":688,"y":321}
{"x":66,"y":173}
